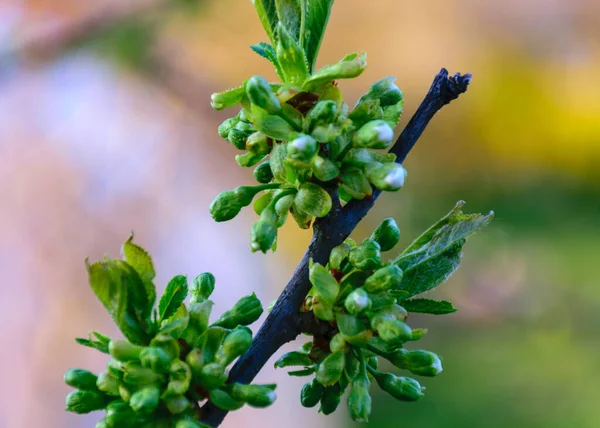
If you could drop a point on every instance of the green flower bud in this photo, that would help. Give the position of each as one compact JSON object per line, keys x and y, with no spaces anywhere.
{"x":373,"y":362}
{"x":229,"y":203}
{"x":227,"y":126}
{"x":124,"y":351}
{"x":388,"y":176}
{"x":202,"y":287}
{"x":246,"y":310}
{"x":401,"y":388}
{"x":177,"y":404}
{"x":322,"y":309}
{"x":366,"y":112}
{"x":302,"y":149}
{"x":260,"y":93}
{"x":124,"y":392}
{"x":263,"y":173}
{"x":238,"y":138}
{"x":258,"y":144}
{"x":120,"y":414}
{"x":339,"y":255}
{"x":331,"y":368}
{"x":359,"y":399}
{"x":421,"y":363}
{"x":136,"y":375}
{"x":224,"y":401}
{"x":311,"y":393}
{"x":385,"y":91}
{"x":326,"y":133}
{"x":199,"y":314}
{"x":234,"y":345}
{"x":301,"y":218}
{"x":376,"y":134}
{"x":387,"y":234}
{"x":248,"y":159}
{"x":363,"y":158}
{"x":330,"y":400}
{"x":195,"y":361}
{"x":85,"y":401}
{"x":155,"y":359}
{"x":254,"y":395}
{"x":390,"y":330}
{"x":180,"y":377}
{"x":313,"y":200}
{"x":81,"y":379}
{"x":355,"y":184}
{"x":324,"y":169}
{"x":212,"y":376}
{"x":338,"y":343}
{"x":210,"y":341}
{"x":263,"y":234}
{"x":168,"y":344}
{"x":323,"y":112}
{"x":385,"y":278}
{"x":366,"y":256}
{"x":353,"y":329}
{"x":107,"y":383}
{"x":357,"y":301}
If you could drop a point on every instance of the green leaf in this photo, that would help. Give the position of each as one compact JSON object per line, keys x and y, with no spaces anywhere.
{"x":101,"y":344}
{"x":176,"y":324}
{"x":325,"y":283}
{"x":271,"y":125}
{"x":349,"y":67}
{"x":267,"y":13}
{"x":278,"y":155}
{"x":121,"y":290}
{"x":289,"y":14}
{"x":267,"y":51}
{"x":291,"y":58}
{"x":293,"y":358}
{"x":436,"y":254}
{"x":303,"y":372}
{"x":140,"y":260}
{"x":228,"y":98}
{"x":428,"y":306}
{"x":173,"y":297}
{"x":314,"y":23}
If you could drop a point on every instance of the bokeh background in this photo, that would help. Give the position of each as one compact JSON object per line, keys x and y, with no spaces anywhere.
{"x":105,"y":127}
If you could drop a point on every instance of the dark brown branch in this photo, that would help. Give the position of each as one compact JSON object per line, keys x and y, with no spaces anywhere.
{"x":285,"y":323}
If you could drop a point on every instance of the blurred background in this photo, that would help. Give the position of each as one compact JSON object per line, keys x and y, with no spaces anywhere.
{"x":105,"y":127}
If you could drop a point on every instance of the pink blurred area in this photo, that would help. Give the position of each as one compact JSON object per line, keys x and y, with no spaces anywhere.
{"x":90,"y":151}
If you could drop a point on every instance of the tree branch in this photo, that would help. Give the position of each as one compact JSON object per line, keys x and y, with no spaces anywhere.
{"x":285,"y":323}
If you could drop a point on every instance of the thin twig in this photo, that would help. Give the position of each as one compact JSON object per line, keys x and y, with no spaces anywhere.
{"x":284,"y":323}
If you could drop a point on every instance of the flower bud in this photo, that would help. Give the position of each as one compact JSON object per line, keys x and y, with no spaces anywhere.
{"x":353,"y":329}
{"x":326,"y":133}
{"x":120,"y":414}
{"x":234,"y":345}
{"x":330,"y":400}
{"x":263,"y":173}
{"x":376,"y":134}
{"x":339,"y":255}
{"x":258,"y":144}
{"x":324,"y":169}
{"x":85,"y":401}
{"x":180,"y":377}
{"x":124,"y":392}
{"x":322,"y":309}
{"x":195,"y":361}
{"x":390,"y":330}
{"x":401,"y":388}
{"x":422,"y":363}
{"x":359,"y":399}
{"x":383,"y":279}
{"x":81,"y":379}
{"x":357,"y":301}
{"x":155,"y":359}
{"x":363,"y":158}
{"x":177,"y":404}
{"x":313,"y":200}
{"x":302,"y":149}
{"x":260,"y":93}
{"x":168,"y":344}
{"x":224,"y":401}
{"x":365,"y":112}
{"x":238,"y":138}
{"x":212,"y":376}
{"x":385,"y":91}
{"x":199,"y":315}
{"x":354,"y":184}
{"x":227,"y":126}
{"x":331,"y":368}
{"x":338,"y":343}
{"x":254,"y":395}
{"x":263,"y":235}
{"x":136,"y":375}
{"x":107,"y":383}
{"x":311,"y":393}
{"x":366,"y":256}
{"x":388,"y":176}
{"x":246,"y":310}
{"x":387,"y":234}
{"x":323,"y":112}
{"x":124,"y":351}
{"x":202,"y":288}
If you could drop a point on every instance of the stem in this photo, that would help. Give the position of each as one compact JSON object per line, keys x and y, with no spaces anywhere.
{"x":284,"y":322}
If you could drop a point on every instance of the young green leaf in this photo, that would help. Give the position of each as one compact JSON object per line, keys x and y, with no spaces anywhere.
{"x":228,"y":98}
{"x":349,"y":67}
{"x":314,"y":23}
{"x":101,"y":344}
{"x":140,"y":260}
{"x":428,"y":306}
{"x":436,"y":254}
{"x":324,"y":282}
{"x":272,"y":126}
{"x":267,"y":13}
{"x":173,"y":297}
{"x":291,"y":57}
{"x":267,"y":51}
{"x":301,"y":373}
{"x":289,"y":14}
{"x":293,"y":358}
{"x":121,"y":290}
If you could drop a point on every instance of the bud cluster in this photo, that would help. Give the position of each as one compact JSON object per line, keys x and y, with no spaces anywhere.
{"x":161,"y":381}
{"x":361,"y":296}
{"x":300,"y":135}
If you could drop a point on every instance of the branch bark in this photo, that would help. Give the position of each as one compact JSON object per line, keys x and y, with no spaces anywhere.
{"x":285,"y":323}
